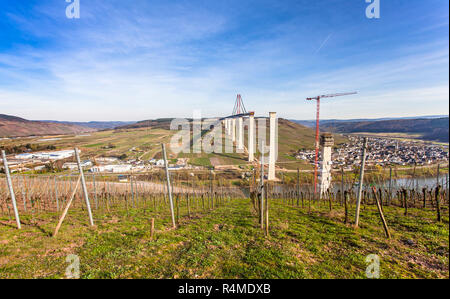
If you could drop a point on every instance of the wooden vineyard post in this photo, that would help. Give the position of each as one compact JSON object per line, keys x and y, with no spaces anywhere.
{"x":405,"y":201}
{"x":132,"y":191}
{"x":361,"y":182}
{"x":380,"y":211}
{"x":11,"y":190}
{"x":262,"y":193}
{"x":95,"y":192}
{"x":169,"y":187}
{"x":67,"y":207}
{"x":152,"y":228}
{"x":342,"y":185}
{"x":438,"y":205}
{"x":424,"y":192}
{"x":298,"y":186}
{"x":438,"y":174}
{"x":267,"y":214}
{"x":177,"y":200}
{"x":329,"y":200}
{"x":390,"y":187}
{"x":188,"y":205}
{"x":83,"y":185}
{"x":346,"y":206}
{"x":56,"y":195}
{"x":24,"y":196}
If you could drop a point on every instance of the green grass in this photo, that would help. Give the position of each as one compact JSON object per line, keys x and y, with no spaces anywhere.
{"x":227,"y":243}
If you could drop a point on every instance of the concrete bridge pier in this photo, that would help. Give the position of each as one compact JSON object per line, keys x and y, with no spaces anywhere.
{"x":240,"y":135}
{"x":233,"y":130}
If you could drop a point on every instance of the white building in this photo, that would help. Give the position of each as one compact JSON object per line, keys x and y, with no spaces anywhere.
{"x":74,"y":166}
{"x":57,"y":155}
{"x":112,"y":168}
{"x":106,"y":159}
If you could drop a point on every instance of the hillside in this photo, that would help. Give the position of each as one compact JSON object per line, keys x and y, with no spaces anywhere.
{"x":99,"y":125}
{"x":428,"y":129}
{"x":312,"y":123}
{"x":160,"y":123}
{"x":292,"y":137}
{"x":12,"y":126}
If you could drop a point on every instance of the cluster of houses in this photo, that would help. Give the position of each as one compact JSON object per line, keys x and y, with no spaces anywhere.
{"x":36,"y":161}
{"x":39,"y":160}
{"x":383,"y":152}
{"x":113,"y":165}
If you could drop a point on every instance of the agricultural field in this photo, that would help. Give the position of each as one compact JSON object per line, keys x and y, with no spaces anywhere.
{"x":135,"y":143}
{"x":226,"y":242}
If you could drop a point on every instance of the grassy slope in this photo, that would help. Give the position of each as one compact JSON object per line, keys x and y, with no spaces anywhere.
{"x":227,"y":243}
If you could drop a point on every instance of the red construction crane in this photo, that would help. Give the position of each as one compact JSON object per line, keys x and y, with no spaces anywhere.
{"x":318,"y":131}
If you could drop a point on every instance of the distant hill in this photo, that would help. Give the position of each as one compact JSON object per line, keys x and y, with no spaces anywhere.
{"x":432,"y":129}
{"x":312,"y":123}
{"x":12,"y":126}
{"x":99,"y":125}
{"x":160,"y":123}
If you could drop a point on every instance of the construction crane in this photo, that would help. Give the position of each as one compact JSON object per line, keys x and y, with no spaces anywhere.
{"x":318,"y":130}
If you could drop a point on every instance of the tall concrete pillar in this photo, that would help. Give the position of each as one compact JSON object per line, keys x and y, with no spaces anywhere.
{"x":233,"y":130}
{"x":251,"y":138}
{"x":229,"y":127}
{"x":327,"y":142}
{"x":272,"y":146}
{"x":240,"y":134}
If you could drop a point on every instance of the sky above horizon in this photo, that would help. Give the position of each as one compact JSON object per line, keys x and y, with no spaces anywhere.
{"x":135,"y":60}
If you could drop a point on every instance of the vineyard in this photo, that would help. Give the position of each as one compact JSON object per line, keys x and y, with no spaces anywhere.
{"x":220,"y":230}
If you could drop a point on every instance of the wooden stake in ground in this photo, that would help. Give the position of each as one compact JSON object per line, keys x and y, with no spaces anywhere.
{"x":390,"y":187}
{"x":67,"y":207}
{"x":380,"y":211}
{"x":152,"y":228}
{"x":56,"y":195}
{"x":267,"y":214}
{"x":438,"y":205}
{"x":361,"y":182}
{"x":83,"y":185}
{"x":11,"y":189}
{"x":346,"y":195}
{"x":169,"y":187}
{"x":262,"y":192}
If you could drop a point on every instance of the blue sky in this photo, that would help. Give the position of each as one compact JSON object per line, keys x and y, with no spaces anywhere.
{"x":134,"y":60}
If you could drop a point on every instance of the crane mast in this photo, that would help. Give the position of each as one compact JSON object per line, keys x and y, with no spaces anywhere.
{"x":316,"y":158}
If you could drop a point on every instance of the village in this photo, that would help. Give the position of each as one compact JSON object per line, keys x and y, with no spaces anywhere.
{"x":382,"y":152}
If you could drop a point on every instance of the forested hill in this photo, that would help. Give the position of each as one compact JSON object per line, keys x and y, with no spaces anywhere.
{"x":430,"y":129}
